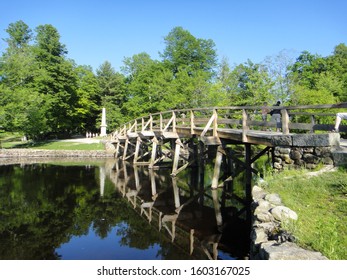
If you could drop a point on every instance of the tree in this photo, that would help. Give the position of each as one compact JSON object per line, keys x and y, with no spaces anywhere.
{"x":20,"y":36}
{"x":337,"y":65}
{"x":253,"y":84}
{"x":89,"y":100}
{"x":277,"y":68}
{"x":325,"y":78}
{"x":112,"y":93}
{"x":150,"y":86}
{"x":185,"y":52}
{"x":17,"y":70}
{"x":56,"y":79}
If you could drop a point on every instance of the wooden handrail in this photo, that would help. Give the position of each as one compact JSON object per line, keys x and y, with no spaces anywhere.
{"x":242,"y":117}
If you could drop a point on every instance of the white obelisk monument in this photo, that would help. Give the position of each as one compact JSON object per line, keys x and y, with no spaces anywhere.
{"x":103,"y":123}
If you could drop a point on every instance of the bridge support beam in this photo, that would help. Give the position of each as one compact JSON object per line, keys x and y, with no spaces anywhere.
{"x":217,"y":165}
{"x":154,"y":152}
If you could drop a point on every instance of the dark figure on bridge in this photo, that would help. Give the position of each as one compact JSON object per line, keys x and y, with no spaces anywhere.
{"x":339,"y":117}
{"x":264,"y":111}
{"x":276,"y":116}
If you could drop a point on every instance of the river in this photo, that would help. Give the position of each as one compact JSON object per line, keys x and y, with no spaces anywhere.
{"x":91,"y":209}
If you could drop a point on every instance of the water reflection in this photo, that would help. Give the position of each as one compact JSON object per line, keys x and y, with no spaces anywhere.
{"x":107,"y":209}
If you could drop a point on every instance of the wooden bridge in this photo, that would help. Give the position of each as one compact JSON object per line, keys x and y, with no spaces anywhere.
{"x":182,"y":137}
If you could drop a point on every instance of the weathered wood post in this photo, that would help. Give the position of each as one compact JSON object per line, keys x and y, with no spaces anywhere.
{"x":154,"y":152}
{"x":245,"y":127}
{"x":137,"y":149}
{"x":125,"y":149}
{"x":248,"y":162}
{"x":217,"y":164}
{"x":285,"y":121}
{"x":176,"y":157}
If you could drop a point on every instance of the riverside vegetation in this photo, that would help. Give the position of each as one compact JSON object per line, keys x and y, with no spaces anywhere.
{"x":321,"y":204}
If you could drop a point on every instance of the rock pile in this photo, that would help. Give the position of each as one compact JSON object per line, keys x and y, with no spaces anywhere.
{"x":268,"y":240}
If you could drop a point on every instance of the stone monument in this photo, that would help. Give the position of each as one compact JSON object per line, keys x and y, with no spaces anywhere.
{"x":103,"y":123}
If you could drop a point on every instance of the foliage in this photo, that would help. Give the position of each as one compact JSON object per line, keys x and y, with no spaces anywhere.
{"x":312,"y":198}
{"x":44,"y":94}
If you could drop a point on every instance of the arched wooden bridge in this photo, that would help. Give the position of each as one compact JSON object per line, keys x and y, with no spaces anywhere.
{"x":181,"y":137}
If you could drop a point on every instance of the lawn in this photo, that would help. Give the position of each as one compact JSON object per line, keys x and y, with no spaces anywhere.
{"x":13,"y":141}
{"x":321,"y":204}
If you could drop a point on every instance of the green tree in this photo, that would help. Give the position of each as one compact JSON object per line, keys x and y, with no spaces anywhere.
{"x":185,"y":52}
{"x":56,"y":79}
{"x":89,"y":99}
{"x":337,"y":65}
{"x":20,"y":36}
{"x":112,"y":94}
{"x":17,"y":70}
{"x":149,"y":86}
{"x":253,"y":84}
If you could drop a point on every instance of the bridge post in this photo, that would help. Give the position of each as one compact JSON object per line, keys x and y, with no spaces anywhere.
{"x":125,"y":149}
{"x":154,"y":151}
{"x":137,"y":149}
{"x":217,"y":164}
{"x":248,"y":162}
{"x":176,"y":157}
{"x":192,"y":122}
{"x":117,"y":149}
{"x":245,"y":127}
{"x":285,"y":121}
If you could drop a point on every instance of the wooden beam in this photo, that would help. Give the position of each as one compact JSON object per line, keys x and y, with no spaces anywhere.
{"x":217,"y":164}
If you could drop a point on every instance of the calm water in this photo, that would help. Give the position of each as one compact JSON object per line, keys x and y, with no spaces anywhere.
{"x":105,"y":209}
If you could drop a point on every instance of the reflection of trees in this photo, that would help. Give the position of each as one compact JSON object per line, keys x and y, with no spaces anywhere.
{"x":41,"y":208}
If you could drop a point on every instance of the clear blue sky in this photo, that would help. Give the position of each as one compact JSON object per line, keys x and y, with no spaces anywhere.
{"x":98,"y":30}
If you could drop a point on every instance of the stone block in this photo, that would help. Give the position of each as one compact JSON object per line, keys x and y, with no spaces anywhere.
{"x":287,"y":251}
{"x":273,"y":198}
{"x":258,"y":193}
{"x":282,"y":140}
{"x":315,"y":140}
{"x":282,"y":213}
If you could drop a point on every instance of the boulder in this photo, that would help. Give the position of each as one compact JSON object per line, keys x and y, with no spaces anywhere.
{"x":273,"y":198}
{"x":283,"y":213}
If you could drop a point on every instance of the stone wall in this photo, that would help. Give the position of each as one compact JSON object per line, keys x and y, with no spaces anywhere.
{"x":32,"y":153}
{"x":268,"y":239}
{"x":306,"y":157}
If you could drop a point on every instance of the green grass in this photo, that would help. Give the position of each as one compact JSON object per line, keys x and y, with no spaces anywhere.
{"x":321,"y":204}
{"x":58,"y":145}
{"x":12,"y":141}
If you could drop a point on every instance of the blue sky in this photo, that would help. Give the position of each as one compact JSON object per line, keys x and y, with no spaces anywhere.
{"x":98,"y":30}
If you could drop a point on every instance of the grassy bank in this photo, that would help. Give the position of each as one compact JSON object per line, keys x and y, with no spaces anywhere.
{"x":12,"y":141}
{"x":321,"y":204}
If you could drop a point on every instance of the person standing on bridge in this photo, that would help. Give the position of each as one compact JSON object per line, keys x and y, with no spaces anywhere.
{"x":276,"y":116}
{"x":339,"y":118}
{"x":264,"y":111}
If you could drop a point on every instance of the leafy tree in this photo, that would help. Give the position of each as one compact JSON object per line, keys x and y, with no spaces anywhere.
{"x":112,"y":93}
{"x":56,"y":79}
{"x":253,"y":84}
{"x":88,"y":105}
{"x":184,"y":51}
{"x":20,"y":36}
{"x":150,"y":87}
{"x":337,"y":65}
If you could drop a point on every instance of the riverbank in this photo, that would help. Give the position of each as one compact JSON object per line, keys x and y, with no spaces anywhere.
{"x":320,"y":201}
{"x":41,"y":153}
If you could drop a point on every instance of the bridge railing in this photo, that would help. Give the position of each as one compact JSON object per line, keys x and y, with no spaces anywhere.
{"x":296,"y":119}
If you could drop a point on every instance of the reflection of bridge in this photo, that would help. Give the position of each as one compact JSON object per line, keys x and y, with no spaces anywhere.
{"x":195,"y":218}
{"x":183,"y":137}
